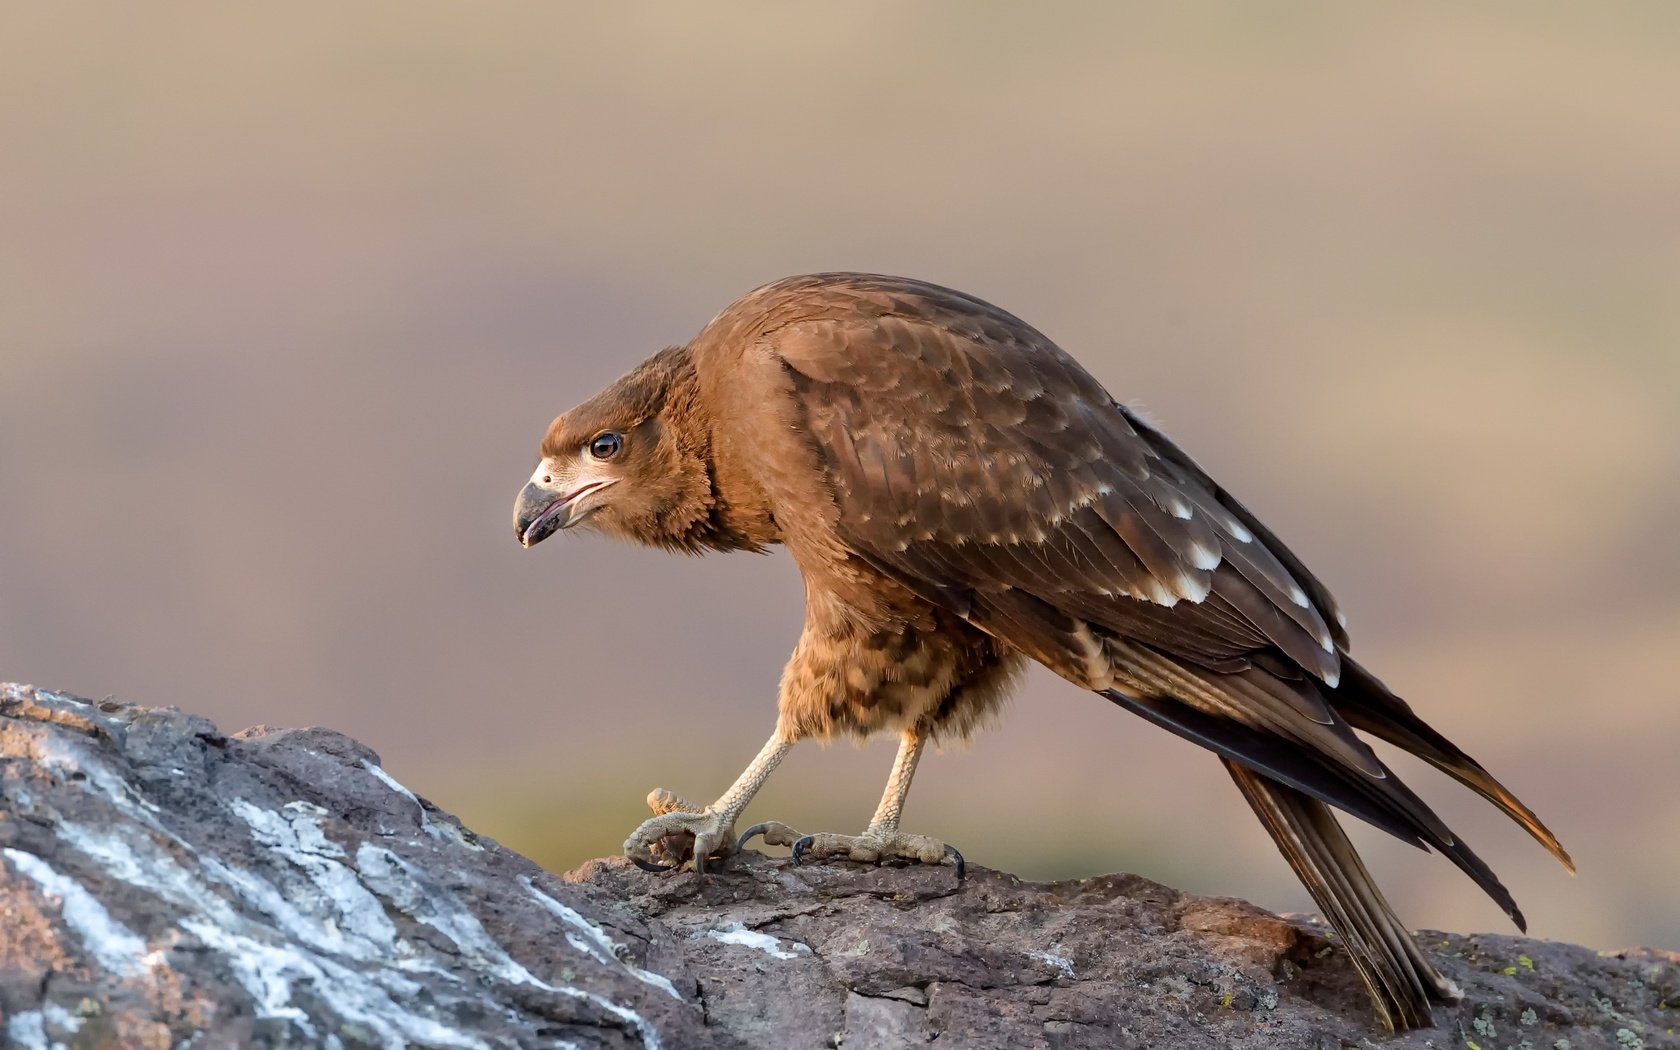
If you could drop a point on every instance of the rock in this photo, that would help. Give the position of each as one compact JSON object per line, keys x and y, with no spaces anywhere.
{"x":162,"y":885}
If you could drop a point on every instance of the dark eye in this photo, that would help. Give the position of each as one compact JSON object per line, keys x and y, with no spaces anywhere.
{"x":605,"y":445}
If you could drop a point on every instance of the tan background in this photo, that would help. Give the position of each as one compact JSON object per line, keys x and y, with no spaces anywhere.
{"x":288,"y":296}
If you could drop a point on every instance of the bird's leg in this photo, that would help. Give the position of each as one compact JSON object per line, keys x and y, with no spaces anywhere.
{"x":712,"y":828}
{"x":881,"y":839}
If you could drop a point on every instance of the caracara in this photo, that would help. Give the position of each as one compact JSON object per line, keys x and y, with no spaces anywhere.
{"x":962,"y":497}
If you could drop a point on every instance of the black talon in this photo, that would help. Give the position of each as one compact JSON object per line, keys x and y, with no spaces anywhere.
{"x":799,"y":849}
{"x":962,"y":868}
{"x":756,"y":829}
{"x":648,"y":865}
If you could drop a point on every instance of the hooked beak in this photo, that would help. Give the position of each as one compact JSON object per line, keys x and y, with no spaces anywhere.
{"x":541,"y":511}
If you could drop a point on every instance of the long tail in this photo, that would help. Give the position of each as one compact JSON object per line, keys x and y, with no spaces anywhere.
{"x":1400,"y":979}
{"x":1367,"y":704}
{"x":1293,"y":763}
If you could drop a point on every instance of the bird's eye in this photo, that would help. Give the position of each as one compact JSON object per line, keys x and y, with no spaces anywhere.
{"x":605,"y":445}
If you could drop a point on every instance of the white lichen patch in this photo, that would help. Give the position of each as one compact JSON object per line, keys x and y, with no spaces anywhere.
{"x":403,"y":886}
{"x":737,"y":934}
{"x":1483,"y":1024}
{"x":139,"y":861}
{"x":265,"y":965}
{"x":353,"y":925}
{"x":69,"y":759}
{"x":636,"y":1022}
{"x":307,"y":927}
{"x":300,"y":950}
{"x":28,"y":1031}
{"x":1061,"y":963}
{"x":442,"y":832}
{"x":593,"y":941}
{"x":359,"y":925}
{"x":270,"y":973}
{"x":400,"y":883}
{"x":114,"y":946}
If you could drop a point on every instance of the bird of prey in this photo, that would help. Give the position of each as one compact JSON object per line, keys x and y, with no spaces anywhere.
{"x":961,"y":497}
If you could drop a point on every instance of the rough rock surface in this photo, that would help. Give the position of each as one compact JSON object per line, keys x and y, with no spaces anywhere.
{"x":163,"y":885}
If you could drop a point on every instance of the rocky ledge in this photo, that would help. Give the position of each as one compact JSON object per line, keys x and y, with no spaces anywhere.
{"x":164,"y":885}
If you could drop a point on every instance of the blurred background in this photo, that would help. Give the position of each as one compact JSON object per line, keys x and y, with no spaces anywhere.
{"x":288,"y":296}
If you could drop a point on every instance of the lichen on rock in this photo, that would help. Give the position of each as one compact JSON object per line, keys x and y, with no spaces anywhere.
{"x":161,"y":881}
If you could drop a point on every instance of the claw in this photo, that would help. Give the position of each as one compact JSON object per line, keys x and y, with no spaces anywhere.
{"x":756,"y":829}
{"x":648,"y":865}
{"x":799,"y":849}
{"x":957,"y":858}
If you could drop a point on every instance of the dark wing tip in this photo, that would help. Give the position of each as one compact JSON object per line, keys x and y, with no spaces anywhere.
{"x":1369,"y":705}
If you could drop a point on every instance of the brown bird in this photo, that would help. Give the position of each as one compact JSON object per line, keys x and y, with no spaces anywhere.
{"x":962,"y":497}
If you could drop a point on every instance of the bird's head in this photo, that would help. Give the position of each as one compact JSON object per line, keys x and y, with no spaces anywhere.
{"x":631,"y":461}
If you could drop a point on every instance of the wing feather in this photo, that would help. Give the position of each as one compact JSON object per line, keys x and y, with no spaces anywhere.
{"x":944,"y":422}
{"x":974,"y":462}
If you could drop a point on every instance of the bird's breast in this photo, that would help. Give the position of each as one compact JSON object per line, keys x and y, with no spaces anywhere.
{"x":848,"y":677}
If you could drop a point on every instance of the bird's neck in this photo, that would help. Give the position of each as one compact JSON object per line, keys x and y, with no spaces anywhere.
{"x":739,"y":516}
{"x":722,"y":508}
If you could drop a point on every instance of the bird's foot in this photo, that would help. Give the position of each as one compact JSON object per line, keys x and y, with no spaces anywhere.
{"x":678,"y":830}
{"x":872,"y":847}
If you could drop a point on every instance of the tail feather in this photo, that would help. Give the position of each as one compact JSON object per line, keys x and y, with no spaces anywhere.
{"x":1367,"y":704}
{"x":1386,"y":803}
{"x":1400,"y":978}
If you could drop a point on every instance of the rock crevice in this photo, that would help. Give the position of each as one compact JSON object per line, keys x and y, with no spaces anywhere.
{"x":164,"y":885}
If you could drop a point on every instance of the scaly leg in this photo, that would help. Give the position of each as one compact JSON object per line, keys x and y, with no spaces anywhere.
{"x":882,"y":838}
{"x":712,"y":827}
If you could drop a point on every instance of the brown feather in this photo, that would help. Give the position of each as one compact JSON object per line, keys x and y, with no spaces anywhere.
{"x":959,"y":494}
{"x":1400,"y":978}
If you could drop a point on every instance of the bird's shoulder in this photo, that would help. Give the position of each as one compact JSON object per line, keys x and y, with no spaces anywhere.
{"x":858,"y":327}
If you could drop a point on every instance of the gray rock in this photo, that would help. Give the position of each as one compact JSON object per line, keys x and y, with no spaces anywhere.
{"x":162,"y":885}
